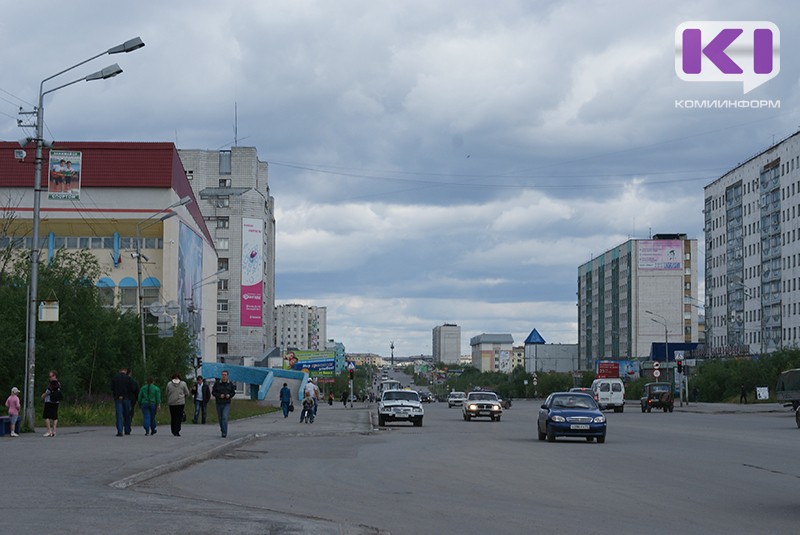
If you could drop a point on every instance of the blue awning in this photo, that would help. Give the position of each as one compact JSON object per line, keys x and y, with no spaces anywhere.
{"x":128,"y":282}
{"x":105,"y":282}
{"x":151,"y":282}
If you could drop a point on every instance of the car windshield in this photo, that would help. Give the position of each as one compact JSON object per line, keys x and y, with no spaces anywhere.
{"x":482,"y":396}
{"x":404,"y":395}
{"x":573,"y":402}
{"x":457,"y":395}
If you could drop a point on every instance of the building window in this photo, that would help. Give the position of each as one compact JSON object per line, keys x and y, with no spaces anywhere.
{"x":222,"y":305}
{"x":222,"y":348}
{"x":222,"y":263}
{"x":127,"y":297}
{"x":222,"y":244}
{"x":223,"y":202}
{"x":223,"y":222}
{"x":106,"y":296}
{"x":224,"y":162}
{"x":222,"y":327}
{"x":222,"y":284}
{"x":224,"y":182}
{"x":149,"y":295}
{"x":189,"y":175}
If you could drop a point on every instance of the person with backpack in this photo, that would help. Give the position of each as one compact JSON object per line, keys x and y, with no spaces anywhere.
{"x":52,"y":397}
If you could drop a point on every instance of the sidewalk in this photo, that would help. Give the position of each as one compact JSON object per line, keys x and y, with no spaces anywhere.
{"x":730,"y":408}
{"x":55,"y":478}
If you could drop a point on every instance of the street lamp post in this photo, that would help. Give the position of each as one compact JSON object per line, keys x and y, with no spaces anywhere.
{"x":108,"y":72}
{"x":141,"y":225}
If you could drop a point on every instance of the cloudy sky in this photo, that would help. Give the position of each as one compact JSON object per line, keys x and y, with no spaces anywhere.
{"x":431,"y":161}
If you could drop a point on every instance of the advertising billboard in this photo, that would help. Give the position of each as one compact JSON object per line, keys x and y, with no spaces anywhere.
{"x":627,"y":370}
{"x":64,"y":177}
{"x":318,"y":364}
{"x":660,"y":254}
{"x":251,"y":295}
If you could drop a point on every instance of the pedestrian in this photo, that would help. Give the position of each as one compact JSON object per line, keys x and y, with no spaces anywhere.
{"x":223,"y":392}
{"x":149,"y":401}
{"x":330,"y":398}
{"x":122,"y":388}
{"x":176,"y":393}
{"x":743,"y":395}
{"x":202,"y":395}
{"x":12,"y":404}
{"x":312,"y":389}
{"x":344,"y":399}
{"x":307,"y":414}
{"x":52,"y":397}
{"x":286,"y":399}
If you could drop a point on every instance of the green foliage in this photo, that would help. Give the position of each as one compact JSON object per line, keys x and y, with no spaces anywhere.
{"x":721,"y":380}
{"x":634,"y":389}
{"x":89,"y":343}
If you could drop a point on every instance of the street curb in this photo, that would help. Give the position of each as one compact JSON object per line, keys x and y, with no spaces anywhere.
{"x":180,"y":464}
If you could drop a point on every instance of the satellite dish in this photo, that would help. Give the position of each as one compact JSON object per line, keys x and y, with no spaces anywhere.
{"x":157,"y":309}
{"x":173,"y":308}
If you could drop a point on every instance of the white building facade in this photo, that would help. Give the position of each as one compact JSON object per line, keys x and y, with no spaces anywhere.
{"x":447,"y":343}
{"x":233,"y":191}
{"x":640,"y":292}
{"x":301,"y":327}
{"x":752,"y":259}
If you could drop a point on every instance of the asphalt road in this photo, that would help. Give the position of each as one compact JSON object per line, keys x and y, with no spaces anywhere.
{"x":687,"y":472}
{"x":717,"y":469}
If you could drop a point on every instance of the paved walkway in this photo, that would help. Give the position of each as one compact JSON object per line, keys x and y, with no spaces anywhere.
{"x":63,"y":479}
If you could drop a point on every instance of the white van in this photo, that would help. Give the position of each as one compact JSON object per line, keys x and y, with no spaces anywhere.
{"x":609,"y":393}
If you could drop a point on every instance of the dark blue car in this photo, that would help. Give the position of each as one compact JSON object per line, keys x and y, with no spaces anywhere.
{"x":571,"y":414}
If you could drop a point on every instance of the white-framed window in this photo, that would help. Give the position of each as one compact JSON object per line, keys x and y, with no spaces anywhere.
{"x":222,"y":305}
{"x":222,"y":244}
{"x":222,"y":284}
{"x":222,"y":327}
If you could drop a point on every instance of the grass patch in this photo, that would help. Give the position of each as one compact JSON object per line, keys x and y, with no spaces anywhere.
{"x":101,"y":413}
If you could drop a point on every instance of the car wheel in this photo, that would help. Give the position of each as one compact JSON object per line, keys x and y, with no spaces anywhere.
{"x":551,"y":436}
{"x":622,"y":409}
{"x":381,"y":421}
{"x":666,"y":409}
{"x":589,"y":439}
{"x":797,"y":418}
{"x":601,"y":440}
{"x":467,"y":417}
{"x":418,"y":423}
{"x":541,"y":435}
{"x":649,"y":409}
{"x":449,"y":406}
{"x":670,"y":409}
{"x":644,"y":409}
{"x":497,"y":419}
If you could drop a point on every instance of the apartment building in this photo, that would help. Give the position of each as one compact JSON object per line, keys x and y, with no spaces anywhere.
{"x":447,"y":343}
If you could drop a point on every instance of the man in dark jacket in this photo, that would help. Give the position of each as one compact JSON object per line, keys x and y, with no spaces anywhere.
{"x":202,"y":395}
{"x":122,"y":388}
{"x":223,"y":391}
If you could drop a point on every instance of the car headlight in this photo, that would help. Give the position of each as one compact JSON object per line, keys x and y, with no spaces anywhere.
{"x":417,"y":409}
{"x":495,"y":407}
{"x":473,"y":407}
{"x":558,"y":418}
{"x":599,"y":419}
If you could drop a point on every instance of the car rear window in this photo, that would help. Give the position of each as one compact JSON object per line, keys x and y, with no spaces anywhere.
{"x":604,"y":387}
{"x":616,"y":387}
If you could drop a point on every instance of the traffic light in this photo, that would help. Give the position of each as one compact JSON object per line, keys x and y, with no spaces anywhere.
{"x":199,"y":361}
{"x":352,"y":372}
{"x":680,"y":366}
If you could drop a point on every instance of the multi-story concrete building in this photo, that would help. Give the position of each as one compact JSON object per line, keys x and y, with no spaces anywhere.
{"x":300,"y":327}
{"x":752,"y":233}
{"x":447,"y":343}
{"x":640,"y":292}
{"x":233,"y":191}
{"x":492,"y":352}
{"x":124,"y":206}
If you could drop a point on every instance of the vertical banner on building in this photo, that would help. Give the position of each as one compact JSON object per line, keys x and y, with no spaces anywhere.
{"x":64,"y":177}
{"x":252,"y":272}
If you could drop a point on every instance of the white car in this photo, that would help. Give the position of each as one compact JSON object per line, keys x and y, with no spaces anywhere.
{"x":455,"y":398}
{"x":482,"y":404}
{"x":400,"y":405}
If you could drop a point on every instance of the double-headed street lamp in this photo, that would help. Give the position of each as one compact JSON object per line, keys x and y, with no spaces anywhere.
{"x":109,"y":72}
{"x":141,"y":225}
